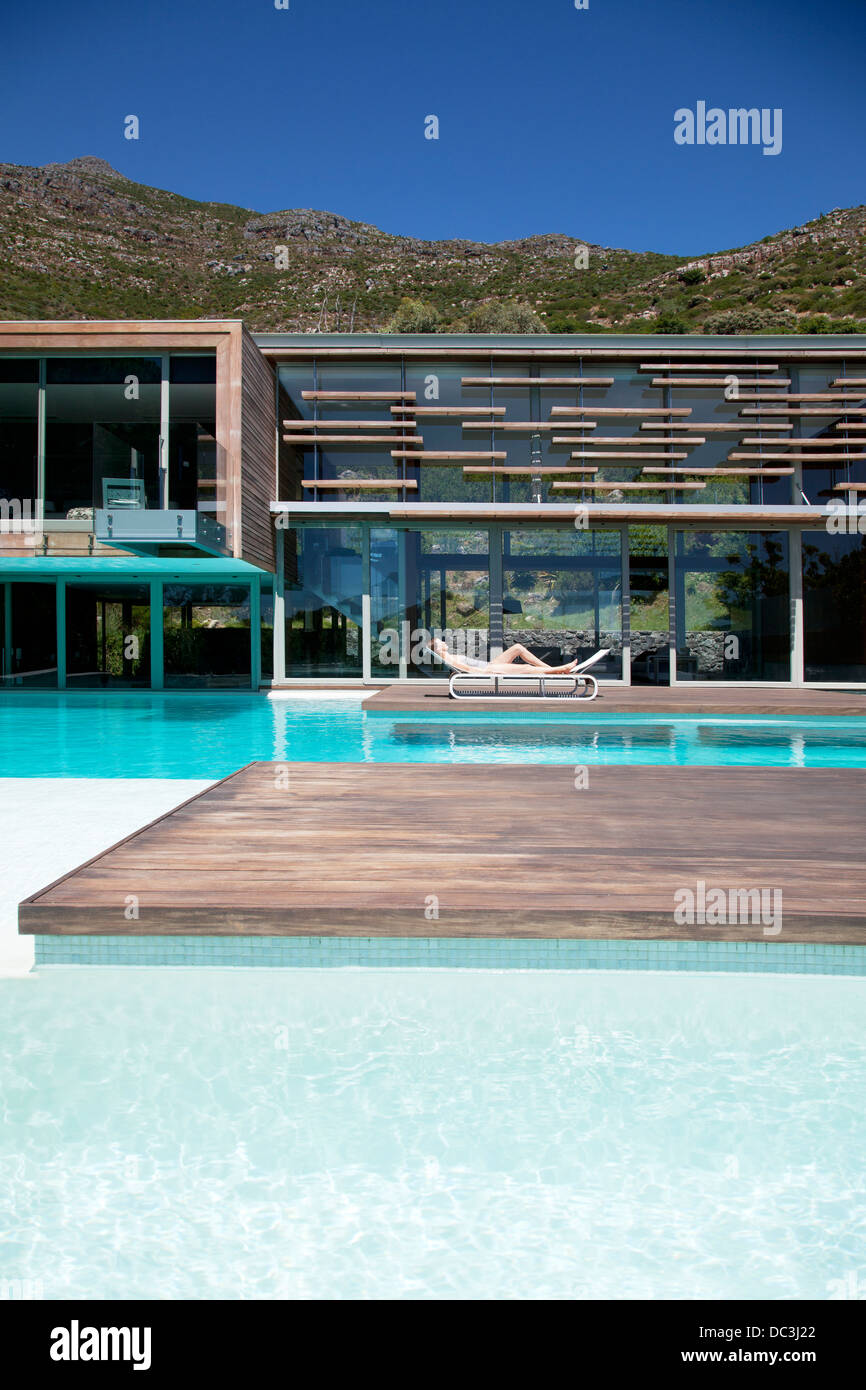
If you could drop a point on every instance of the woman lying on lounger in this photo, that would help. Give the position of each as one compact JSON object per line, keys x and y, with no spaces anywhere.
{"x":518,"y":657}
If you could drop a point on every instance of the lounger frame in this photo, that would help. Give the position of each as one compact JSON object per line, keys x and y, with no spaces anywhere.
{"x":547,"y":689}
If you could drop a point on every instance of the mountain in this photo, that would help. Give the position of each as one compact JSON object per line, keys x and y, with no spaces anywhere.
{"x":80,"y":240}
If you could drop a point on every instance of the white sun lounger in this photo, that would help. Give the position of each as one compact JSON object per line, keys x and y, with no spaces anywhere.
{"x":499,"y":685}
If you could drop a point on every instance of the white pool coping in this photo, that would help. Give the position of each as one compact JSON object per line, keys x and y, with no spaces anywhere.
{"x":320,"y":694}
{"x":48,"y":826}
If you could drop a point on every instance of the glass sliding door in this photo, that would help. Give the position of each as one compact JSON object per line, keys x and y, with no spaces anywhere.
{"x":207,"y":635}
{"x":425,"y":583}
{"x":107,"y":635}
{"x":733,"y":606}
{"x":28,"y":618}
{"x":834,"y":606}
{"x":562,"y":594}
{"x":324,"y":582}
{"x":649,"y":607}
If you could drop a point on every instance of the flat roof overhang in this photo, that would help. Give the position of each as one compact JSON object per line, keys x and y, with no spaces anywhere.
{"x":550,"y":513}
{"x":533,"y":346}
{"x":179,"y":567}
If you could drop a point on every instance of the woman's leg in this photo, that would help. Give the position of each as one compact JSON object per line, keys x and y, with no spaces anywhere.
{"x":521,"y":654}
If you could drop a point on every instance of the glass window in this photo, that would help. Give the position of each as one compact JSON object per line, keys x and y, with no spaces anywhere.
{"x":107,"y":635}
{"x":820,"y":478}
{"x":562,"y":594}
{"x":834,"y":603}
{"x":196,"y":480}
{"x":207,"y":635}
{"x":733,"y":606}
{"x":292,"y":379}
{"x":102,"y":423}
{"x":19,"y":434}
{"x":28,"y":623}
{"x":439,"y":386}
{"x":354,"y":459}
{"x":649,"y":605}
{"x":424,"y":584}
{"x":612,"y":434}
{"x":323,"y":585}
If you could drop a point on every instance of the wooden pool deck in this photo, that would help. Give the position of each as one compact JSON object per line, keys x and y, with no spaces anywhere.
{"x":431,"y":697}
{"x":420,"y":850}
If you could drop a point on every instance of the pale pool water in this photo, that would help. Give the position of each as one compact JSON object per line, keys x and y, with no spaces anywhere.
{"x":368,"y":1134}
{"x":209,"y":736}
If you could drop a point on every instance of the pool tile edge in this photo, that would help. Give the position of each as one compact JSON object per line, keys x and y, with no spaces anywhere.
{"x":317,"y":952}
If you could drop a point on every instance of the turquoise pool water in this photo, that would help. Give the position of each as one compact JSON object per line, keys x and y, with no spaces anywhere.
{"x":209,"y":736}
{"x":303,"y":1134}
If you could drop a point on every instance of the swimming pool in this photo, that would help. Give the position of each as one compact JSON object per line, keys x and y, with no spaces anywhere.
{"x":209,"y":736}
{"x":303,"y":1134}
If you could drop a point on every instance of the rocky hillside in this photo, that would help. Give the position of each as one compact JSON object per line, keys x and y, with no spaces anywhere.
{"x":79,"y":240}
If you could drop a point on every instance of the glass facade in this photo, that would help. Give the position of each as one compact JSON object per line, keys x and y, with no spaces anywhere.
{"x":562,"y":594}
{"x":194,"y":475}
{"x":834,"y":606}
{"x":733,"y":606}
{"x":137,"y":428}
{"x":649,"y":605}
{"x":207,"y":635}
{"x":28,"y":627}
{"x":107,"y":635}
{"x":323,"y":587}
{"x":427,"y":583}
{"x":364,"y":592}
{"x":19,"y":431}
{"x":608,"y":423}
{"x":102,"y":425}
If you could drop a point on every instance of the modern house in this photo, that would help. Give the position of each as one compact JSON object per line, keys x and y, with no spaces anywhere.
{"x":184,"y":504}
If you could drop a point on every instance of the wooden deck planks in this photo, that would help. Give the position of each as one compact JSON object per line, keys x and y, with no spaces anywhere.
{"x":431,"y":697}
{"x":358,"y":849}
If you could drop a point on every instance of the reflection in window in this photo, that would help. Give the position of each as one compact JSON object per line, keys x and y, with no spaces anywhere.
{"x":102,"y":423}
{"x":19,"y":436}
{"x":834,"y":603}
{"x":107,"y":635}
{"x":207,"y":635}
{"x":562,"y":594}
{"x":323,"y":567}
{"x":427,"y":583}
{"x":733,"y":614}
{"x":193,"y":481}
{"x":28,"y":630}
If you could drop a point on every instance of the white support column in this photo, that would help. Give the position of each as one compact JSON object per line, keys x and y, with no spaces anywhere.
{"x":626,"y":607}
{"x":280,"y":603}
{"x":366,"y":606}
{"x":798,"y":644}
{"x":402,"y":542}
{"x":672,"y":606}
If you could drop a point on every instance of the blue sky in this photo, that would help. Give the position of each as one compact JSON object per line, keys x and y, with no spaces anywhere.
{"x":551,"y":119}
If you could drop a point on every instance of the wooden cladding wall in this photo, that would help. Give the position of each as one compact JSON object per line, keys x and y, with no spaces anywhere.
{"x":258,"y":456}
